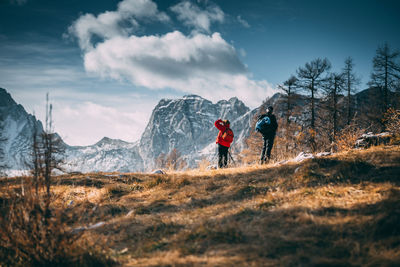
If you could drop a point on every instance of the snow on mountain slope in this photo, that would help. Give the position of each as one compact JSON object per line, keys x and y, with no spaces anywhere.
{"x":106,"y":155}
{"x":16,"y":134}
{"x":187,"y":124}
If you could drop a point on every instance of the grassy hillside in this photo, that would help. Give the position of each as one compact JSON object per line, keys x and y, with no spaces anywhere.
{"x":339,"y":210}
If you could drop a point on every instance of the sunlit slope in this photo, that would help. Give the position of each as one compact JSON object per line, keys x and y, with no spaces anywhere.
{"x":339,"y":210}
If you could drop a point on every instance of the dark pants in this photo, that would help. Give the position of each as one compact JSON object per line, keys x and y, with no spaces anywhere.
{"x":267,"y":147}
{"x":222,"y":156}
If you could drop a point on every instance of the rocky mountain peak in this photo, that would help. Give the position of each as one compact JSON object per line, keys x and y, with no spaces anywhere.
{"x":108,"y":141}
{"x":17,"y":130}
{"x":6,"y":99}
{"x":186,"y":124}
{"x":192,"y":97}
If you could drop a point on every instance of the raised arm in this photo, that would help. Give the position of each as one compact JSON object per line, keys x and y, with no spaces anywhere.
{"x":220,"y":125}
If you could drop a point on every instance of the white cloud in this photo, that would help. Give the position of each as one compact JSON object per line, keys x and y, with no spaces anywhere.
{"x":159,"y":61}
{"x":243,"y":22}
{"x":141,"y":9}
{"x":242,"y":52}
{"x":108,"y":24}
{"x":192,"y":15}
{"x":88,"y":122}
{"x":200,"y":63}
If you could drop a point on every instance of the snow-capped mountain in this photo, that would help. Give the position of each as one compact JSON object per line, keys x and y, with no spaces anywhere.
{"x":107,"y":155}
{"x":17,"y":128}
{"x":187,"y":124}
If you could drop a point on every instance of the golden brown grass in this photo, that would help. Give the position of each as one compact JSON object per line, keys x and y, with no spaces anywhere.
{"x":36,"y":232}
{"x":340,"y":210}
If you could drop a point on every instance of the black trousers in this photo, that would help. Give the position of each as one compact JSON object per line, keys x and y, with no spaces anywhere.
{"x":267,"y":147}
{"x":222,"y":156}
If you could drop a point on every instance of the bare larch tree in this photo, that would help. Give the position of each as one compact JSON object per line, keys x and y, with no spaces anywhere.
{"x":289,"y":88}
{"x":386,"y":73}
{"x":333,"y":86}
{"x":351,"y":81}
{"x":311,"y":79}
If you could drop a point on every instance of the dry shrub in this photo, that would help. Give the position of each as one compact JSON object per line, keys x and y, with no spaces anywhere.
{"x":307,"y":140}
{"x":347,"y":137}
{"x":288,"y":141}
{"x":254,"y":144}
{"x":171,"y":161}
{"x":392,"y":122}
{"x":249,"y":156}
{"x":34,"y":233}
{"x":284,"y":148}
{"x":203,"y":164}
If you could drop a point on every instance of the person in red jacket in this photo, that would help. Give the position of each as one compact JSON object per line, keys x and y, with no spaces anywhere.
{"x":224,"y":140}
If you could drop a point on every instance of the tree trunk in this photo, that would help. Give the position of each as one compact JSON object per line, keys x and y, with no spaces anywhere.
{"x":385,"y":92}
{"x":312,"y":106}
{"x":348,"y":98}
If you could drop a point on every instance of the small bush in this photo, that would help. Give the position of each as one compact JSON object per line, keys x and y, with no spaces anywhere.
{"x":392,"y":121}
{"x":203,"y":164}
{"x":34,"y":233}
{"x":347,"y":137}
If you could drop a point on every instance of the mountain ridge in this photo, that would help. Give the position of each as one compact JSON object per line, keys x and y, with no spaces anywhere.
{"x":185,"y":124}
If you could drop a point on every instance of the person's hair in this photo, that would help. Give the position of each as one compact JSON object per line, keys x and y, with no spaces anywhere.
{"x":226,"y":122}
{"x":270,"y":109}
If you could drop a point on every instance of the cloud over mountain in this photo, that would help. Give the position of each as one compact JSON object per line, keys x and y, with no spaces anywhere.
{"x":108,"y":25}
{"x":199,"y":63}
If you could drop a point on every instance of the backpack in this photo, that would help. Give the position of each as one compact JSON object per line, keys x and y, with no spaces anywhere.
{"x":263,"y":125}
{"x":227,"y":135}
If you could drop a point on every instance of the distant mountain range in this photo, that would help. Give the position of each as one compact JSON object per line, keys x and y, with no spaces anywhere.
{"x":185,"y":124}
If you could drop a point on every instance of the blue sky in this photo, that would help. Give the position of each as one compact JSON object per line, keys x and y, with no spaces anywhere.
{"x":106,"y":64}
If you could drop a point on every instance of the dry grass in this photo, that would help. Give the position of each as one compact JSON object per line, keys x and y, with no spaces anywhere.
{"x":341,"y":210}
{"x":36,"y":232}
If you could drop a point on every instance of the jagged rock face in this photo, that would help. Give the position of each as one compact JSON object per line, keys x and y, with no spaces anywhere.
{"x":16,"y":133}
{"x":186,"y":124}
{"x":107,"y":155}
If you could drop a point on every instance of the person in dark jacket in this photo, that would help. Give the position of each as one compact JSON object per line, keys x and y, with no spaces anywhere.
{"x":268,"y":136}
{"x":224,"y":140}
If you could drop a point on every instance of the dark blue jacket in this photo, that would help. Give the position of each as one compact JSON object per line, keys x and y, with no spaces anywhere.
{"x":274,"y":123}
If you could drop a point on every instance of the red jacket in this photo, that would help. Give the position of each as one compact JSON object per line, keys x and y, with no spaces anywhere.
{"x":221,"y":127}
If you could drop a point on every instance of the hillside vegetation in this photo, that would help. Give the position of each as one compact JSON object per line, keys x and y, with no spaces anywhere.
{"x":340,"y":210}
